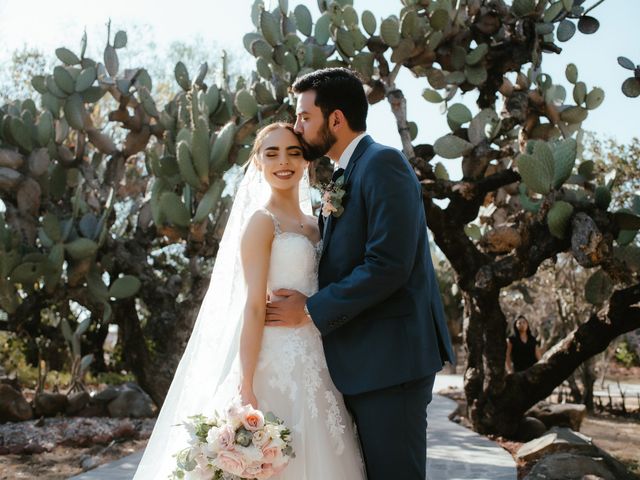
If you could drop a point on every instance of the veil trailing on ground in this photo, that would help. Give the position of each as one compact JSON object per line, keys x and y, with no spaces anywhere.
{"x":214,"y":342}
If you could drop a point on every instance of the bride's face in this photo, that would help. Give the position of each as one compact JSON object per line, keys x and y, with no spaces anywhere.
{"x":281,"y":160}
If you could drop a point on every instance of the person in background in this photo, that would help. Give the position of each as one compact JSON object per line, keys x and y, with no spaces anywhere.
{"x":522,"y":347}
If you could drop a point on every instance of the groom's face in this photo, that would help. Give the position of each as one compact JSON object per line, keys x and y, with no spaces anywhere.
{"x":311,"y":125}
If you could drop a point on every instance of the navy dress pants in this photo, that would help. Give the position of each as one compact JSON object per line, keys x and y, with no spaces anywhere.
{"x":392,"y":427}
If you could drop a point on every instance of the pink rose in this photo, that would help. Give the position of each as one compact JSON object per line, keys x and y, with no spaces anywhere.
{"x":269,"y":454}
{"x":328,"y":209}
{"x":253,"y":420}
{"x":224,"y":440}
{"x":230,"y":462}
{"x":265,"y":472}
{"x":274,"y":456}
{"x":251,"y":471}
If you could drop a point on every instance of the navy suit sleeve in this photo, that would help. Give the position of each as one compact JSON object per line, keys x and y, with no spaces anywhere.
{"x":392,"y":207}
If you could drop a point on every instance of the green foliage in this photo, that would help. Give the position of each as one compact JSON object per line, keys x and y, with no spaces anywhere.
{"x":598,"y":288}
{"x":558,"y":218}
{"x":626,"y":355}
{"x":155,"y":178}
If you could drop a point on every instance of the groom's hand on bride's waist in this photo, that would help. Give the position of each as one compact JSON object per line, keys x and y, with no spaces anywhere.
{"x":288,"y":310}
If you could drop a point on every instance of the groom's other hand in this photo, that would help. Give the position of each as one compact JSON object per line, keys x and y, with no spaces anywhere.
{"x":288,"y":310}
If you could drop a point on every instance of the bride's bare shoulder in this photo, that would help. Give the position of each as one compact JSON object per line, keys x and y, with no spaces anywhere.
{"x":259,"y":228}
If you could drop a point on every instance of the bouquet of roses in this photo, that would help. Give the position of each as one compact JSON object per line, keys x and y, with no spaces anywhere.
{"x":240,"y":445}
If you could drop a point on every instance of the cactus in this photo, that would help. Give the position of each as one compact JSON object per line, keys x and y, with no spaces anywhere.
{"x":631,"y":86}
{"x":537,"y":171}
{"x":598,"y":288}
{"x":558,"y":218}
{"x":125,"y":286}
{"x":452,"y":146}
{"x":564,"y":156}
{"x":79,"y":364}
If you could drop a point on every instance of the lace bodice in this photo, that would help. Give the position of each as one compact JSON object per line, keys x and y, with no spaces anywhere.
{"x":294,"y":261}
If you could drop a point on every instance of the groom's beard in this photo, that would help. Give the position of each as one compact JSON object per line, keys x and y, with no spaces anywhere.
{"x":320,"y":147}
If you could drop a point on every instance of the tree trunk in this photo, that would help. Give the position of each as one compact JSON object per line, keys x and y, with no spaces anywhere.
{"x":498,"y":402}
{"x":153,"y":353}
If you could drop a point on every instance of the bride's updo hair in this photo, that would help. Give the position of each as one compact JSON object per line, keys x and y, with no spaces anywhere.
{"x":262,"y":134}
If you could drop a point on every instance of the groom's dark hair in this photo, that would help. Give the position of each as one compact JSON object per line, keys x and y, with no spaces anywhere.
{"x":337,"y":89}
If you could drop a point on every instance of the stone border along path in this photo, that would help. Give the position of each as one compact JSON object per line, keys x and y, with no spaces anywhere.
{"x":455,"y":453}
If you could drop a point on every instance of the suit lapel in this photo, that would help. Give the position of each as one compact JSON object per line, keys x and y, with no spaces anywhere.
{"x":329,"y":222}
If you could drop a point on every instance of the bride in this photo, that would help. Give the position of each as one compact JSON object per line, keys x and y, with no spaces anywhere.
{"x":269,"y":244}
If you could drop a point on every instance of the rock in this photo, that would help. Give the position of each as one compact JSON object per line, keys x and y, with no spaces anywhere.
{"x":567,"y":466}
{"x":12,"y":381}
{"x":530,"y":428}
{"x":13,"y":406}
{"x":77,"y":401}
{"x":93,"y":409}
{"x":39,"y":436}
{"x":568,"y":415}
{"x":132,"y":401}
{"x":570,"y":466}
{"x":556,"y":440}
{"x":50,"y":404}
{"x":89,"y":463}
{"x":107,"y":394}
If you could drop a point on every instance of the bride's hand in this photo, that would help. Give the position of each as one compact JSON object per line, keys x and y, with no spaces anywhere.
{"x":248,"y":397}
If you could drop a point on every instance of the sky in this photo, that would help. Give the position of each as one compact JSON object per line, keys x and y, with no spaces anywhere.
{"x":222,"y":23}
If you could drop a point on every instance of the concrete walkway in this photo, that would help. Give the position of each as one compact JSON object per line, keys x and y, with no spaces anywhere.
{"x":455,"y":453}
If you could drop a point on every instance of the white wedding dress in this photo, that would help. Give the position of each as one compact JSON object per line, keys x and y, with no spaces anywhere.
{"x":292,"y":379}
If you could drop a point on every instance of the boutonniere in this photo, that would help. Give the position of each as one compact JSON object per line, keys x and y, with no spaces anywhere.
{"x":332,"y":198}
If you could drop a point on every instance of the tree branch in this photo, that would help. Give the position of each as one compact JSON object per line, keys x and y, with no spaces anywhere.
{"x":587,"y":340}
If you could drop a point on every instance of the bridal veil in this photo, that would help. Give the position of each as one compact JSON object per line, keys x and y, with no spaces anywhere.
{"x":214,"y":341}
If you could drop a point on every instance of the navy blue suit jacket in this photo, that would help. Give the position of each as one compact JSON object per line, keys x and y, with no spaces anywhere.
{"x":379,"y":308}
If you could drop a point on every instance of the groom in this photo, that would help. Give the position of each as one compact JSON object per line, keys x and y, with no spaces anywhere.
{"x":378,"y":308}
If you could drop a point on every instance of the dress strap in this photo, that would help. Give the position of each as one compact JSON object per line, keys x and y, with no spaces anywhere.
{"x":276,"y":222}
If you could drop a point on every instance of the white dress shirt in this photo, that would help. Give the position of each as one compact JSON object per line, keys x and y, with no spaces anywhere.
{"x":343,"y":161}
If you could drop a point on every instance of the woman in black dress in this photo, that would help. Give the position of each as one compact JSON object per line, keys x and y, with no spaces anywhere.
{"x":522,"y":347}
